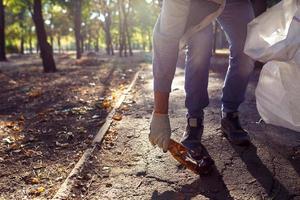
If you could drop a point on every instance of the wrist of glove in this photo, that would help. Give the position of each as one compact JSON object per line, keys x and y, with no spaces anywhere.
{"x":160,"y":131}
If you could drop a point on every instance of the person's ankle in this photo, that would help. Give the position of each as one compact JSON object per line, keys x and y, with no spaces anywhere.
{"x":229,"y":114}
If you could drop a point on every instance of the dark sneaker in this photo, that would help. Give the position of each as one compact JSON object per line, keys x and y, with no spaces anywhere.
{"x":205,"y":166}
{"x":231,"y":127}
{"x":192,"y":137}
{"x":192,"y":141}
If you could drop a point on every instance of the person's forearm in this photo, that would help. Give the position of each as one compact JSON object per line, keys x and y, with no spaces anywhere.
{"x":161,"y":102}
{"x":166,"y":37}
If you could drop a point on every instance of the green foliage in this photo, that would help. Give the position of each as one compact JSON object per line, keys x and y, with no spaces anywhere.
{"x":59,"y":21}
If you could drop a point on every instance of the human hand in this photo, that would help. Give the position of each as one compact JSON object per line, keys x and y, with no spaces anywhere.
{"x":160,"y":131}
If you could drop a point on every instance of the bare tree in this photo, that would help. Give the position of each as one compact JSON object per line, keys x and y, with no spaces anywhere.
{"x":122,"y":33}
{"x":45,"y":47}
{"x":21,"y":21}
{"x":126,"y":16}
{"x":107,"y":26}
{"x":2,"y":32}
{"x":77,"y":27}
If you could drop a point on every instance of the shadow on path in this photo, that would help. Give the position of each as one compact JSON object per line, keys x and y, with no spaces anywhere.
{"x":212,"y":187}
{"x":261,"y":173}
{"x":296,"y":164}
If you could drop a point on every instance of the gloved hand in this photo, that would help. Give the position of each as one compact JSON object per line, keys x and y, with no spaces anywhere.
{"x":160,"y":131}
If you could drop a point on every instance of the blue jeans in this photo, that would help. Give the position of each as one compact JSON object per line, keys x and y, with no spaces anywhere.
{"x":234,"y":19}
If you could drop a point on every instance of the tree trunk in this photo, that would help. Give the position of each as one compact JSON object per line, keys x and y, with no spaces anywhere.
{"x":82,"y":44}
{"x":2,"y":32}
{"x":21,"y":22}
{"x":37,"y":47}
{"x":144,"y":45}
{"x":77,"y":28}
{"x":97,"y":44}
{"x":89,"y":43}
{"x":59,"y":44}
{"x":107,"y":43}
{"x":122,"y":37}
{"x":22,"y":44}
{"x":30,"y":44}
{"x":52,"y":41}
{"x":108,"y":38}
{"x":150,"y":40}
{"x":128,"y":38}
{"x":45,"y":47}
{"x":112,"y":49}
{"x":126,"y":28}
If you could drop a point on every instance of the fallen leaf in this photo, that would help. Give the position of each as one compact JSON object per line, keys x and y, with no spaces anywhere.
{"x":8,"y":124}
{"x":114,"y":95}
{"x":117,"y":117}
{"x":22,"y":118}
{"x":31,"y":153}
{"x":106,"y":104}
{"x":35,"y":93}
{"x":125,"y":108}
{"x":35,"y":180}
{"x":37,"y":191}
{"x":12,"y":82}
{"x":17,"y":128}
{"x":14,"y":147}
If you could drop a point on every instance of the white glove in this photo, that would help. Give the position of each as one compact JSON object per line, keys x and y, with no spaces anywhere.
{"x":160,"y":131}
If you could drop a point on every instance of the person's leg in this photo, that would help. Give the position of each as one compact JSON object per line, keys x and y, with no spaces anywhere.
{"x":234,"y":19}
{"x":196,"y":82}
{"x":198,"y":59}
{"x":196,"y":72}
{"x":199,"y":50}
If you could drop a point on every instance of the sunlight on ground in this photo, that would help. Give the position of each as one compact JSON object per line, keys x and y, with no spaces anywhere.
{"x":10,"y":132}
{"x":8,"y":126}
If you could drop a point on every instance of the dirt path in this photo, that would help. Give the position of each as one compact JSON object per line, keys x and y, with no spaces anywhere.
{"x":128,"y":167}
{"x":48,"y":120}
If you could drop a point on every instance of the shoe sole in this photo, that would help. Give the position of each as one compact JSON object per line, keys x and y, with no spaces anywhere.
{"x":202,"y":170}
{"x":206,"y":170}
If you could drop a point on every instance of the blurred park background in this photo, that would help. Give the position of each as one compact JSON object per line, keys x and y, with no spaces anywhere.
{"x":60,"y":26}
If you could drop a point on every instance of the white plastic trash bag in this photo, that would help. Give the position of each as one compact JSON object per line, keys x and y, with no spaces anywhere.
{"x":274,"y":35}
{"x":278,"y":94}
{"x":296,"y":58}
